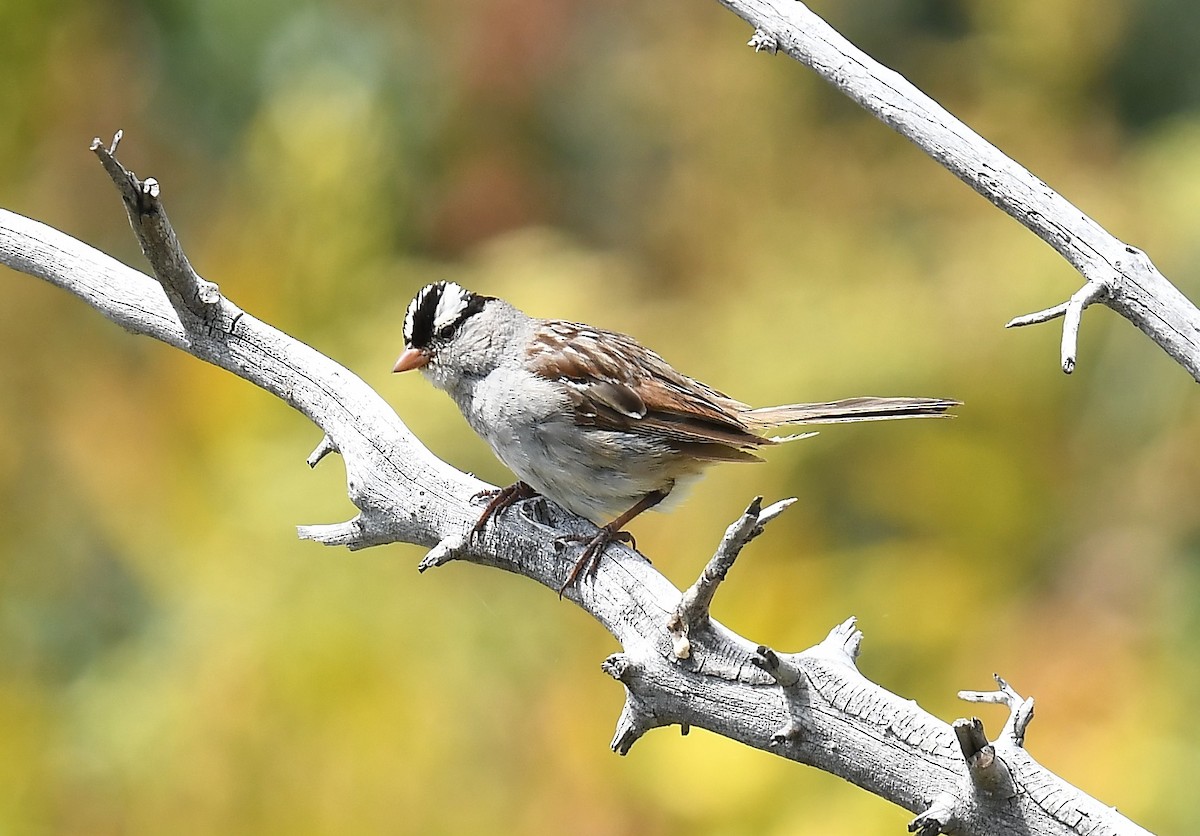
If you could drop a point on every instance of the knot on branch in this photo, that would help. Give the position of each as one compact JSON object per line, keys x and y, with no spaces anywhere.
{"x":763,"y":41}
{"x":792,"y":683}
{"x":938,"y":817}
{"x":620,"y":667}
{"x":989,"y":773}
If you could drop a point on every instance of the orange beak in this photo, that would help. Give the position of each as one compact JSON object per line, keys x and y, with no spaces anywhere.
{"x":412,"y":358}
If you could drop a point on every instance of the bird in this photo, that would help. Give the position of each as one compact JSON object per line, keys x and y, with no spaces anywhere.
{"x":590,"y":418}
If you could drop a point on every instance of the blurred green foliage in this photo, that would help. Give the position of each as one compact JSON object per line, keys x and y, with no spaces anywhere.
{"x":173,"y":660}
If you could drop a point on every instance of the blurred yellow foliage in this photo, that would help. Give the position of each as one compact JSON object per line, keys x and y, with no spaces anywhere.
{"x":174,"y":660}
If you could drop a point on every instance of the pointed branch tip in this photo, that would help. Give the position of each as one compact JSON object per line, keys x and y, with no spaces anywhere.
{"x":349,"y":533}
{"x":695,"y":602}
{"x":323,"y":449}
{"x":1020,"y":708}
{"x":772,"y":511}
{"x":447,"y":550}
{"x":98,"y":144}
{"x":631,"y":725}
{"x":844,"y":641}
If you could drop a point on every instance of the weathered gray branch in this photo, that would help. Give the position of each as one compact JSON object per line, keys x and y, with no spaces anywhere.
{"x":813,"y":707}
{"x":1116,"y":274}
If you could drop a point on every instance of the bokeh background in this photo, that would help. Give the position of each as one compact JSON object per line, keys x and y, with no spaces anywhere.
{"x":174,"y":660}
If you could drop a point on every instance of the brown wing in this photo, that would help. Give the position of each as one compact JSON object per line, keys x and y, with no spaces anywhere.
{"x":617,"y":384}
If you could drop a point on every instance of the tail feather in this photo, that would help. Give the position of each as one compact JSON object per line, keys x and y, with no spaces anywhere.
{"x":851,"y":409}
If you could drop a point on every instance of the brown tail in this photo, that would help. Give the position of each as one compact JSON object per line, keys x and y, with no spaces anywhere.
{"x":851,"y":409}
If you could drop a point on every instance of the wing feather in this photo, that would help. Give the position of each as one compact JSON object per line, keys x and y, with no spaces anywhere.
{"x":617,"y":384}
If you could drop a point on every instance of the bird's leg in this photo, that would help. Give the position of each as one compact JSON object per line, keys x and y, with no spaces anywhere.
{"x":500,"y":499}
{"x":608,"y":533}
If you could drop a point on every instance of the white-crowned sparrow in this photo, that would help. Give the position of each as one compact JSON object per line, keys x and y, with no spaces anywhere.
{"x":591,"y":418}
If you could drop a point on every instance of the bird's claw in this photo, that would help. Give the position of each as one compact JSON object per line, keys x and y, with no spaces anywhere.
{"x":594,"y":548}
{"x":499,"y":499}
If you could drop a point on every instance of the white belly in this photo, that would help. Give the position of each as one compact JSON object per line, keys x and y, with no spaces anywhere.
{"x":597,"y":474}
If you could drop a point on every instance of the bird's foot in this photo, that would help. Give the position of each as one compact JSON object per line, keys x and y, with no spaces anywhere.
{"x":595,"y":546}
{"x":499,"y":499}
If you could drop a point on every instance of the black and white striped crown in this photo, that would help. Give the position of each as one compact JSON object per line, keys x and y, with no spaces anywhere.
{"x":437,"y":310}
